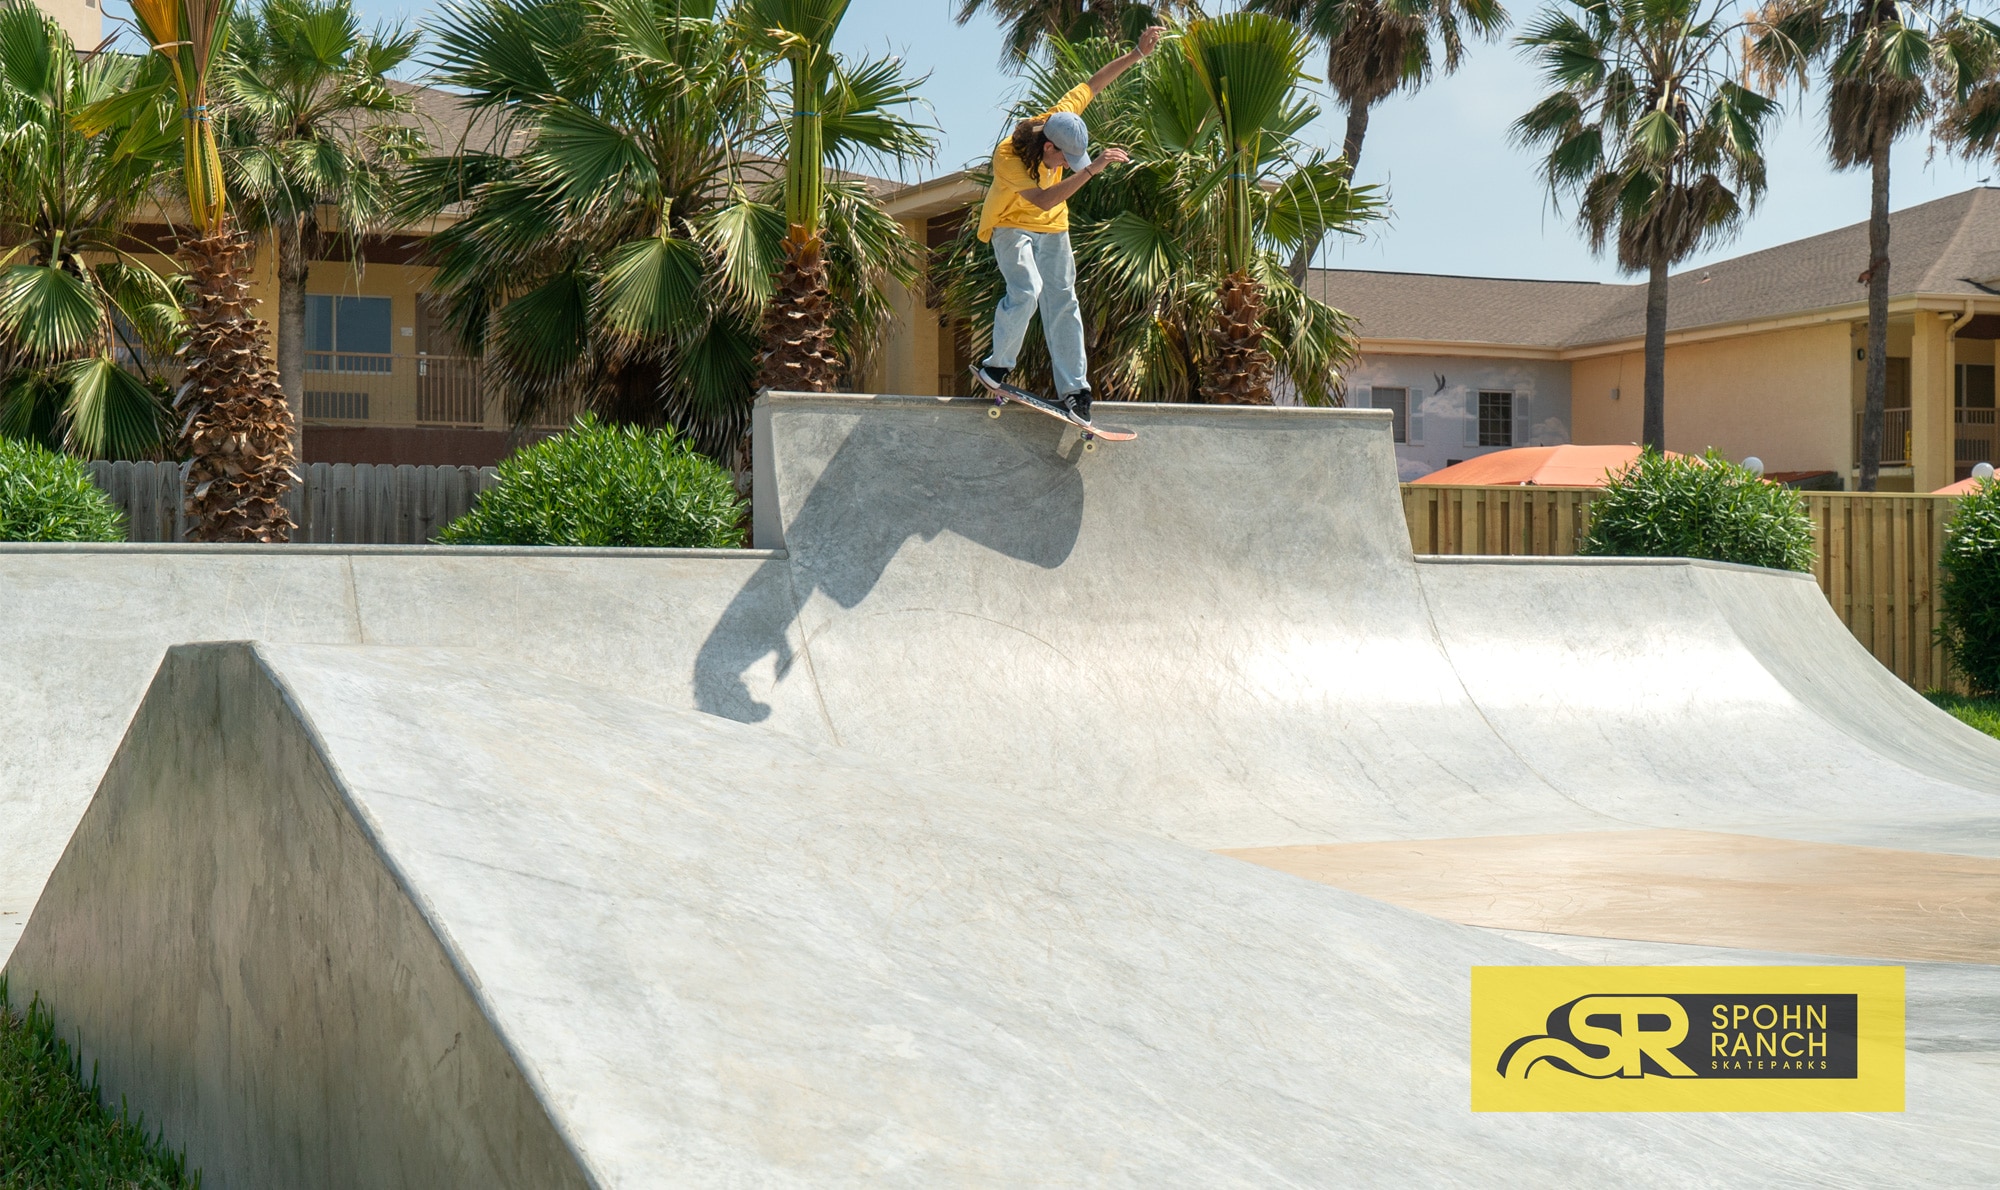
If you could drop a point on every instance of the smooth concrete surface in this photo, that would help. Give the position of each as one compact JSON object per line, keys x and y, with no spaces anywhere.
{"x":1696,"y":887}
{"x":1219,"y":635}
{"x":720,"y":957}
{"x":1215,"y":633}
{"x":970,"y":652}
{"x":84,"y":628}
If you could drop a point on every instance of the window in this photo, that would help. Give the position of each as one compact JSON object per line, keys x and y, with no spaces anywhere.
{"x":1496,"y":418}
{"x":1975,"y":386}
{"x":1397,"y":401}
{"x":129,"y":350}
{"x":347,"y":334}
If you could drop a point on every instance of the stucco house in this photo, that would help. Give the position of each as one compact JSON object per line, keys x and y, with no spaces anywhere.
{"x":83,"y":20}
{"x":1764,"y":353}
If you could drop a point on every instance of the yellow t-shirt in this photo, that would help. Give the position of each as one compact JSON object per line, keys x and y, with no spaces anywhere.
{"x":1004,"y":205}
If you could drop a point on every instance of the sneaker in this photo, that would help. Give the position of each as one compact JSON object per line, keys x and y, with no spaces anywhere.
{"x":993,"y":378}
{"x":1077,"y":405}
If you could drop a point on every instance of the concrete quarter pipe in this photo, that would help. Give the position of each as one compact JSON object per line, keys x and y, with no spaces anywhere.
{"x":1014,"y":815}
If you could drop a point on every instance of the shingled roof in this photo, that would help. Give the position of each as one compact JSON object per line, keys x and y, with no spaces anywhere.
{"x":449,"y":122}
{"x":1949,"y":247}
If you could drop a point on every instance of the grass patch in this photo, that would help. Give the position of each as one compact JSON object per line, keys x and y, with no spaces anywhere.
{"x":55,"y":1132}
{"x":1982,"y":713}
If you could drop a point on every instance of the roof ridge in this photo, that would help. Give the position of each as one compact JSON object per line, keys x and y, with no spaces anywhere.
{"x":1860,"y":225}
{"x":1465,"y":276}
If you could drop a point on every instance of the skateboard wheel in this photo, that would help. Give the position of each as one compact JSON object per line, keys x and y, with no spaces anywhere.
{"x":1089,"y":444}
{"x":993,"y":412}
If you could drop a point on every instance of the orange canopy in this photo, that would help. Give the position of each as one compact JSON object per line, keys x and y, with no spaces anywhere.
{"x":1542,"y":466}
{"x":1958,"y":489}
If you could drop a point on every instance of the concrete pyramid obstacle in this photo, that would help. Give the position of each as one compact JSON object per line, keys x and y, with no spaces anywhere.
{"x":889,"y":852}
{"x":387,"y":917}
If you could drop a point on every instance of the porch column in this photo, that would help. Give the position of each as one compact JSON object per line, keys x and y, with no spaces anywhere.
{"x":1931,"y":462}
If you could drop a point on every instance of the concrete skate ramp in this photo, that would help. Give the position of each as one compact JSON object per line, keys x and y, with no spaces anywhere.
{"x":1215,"y":634}
{"x":343,"y":916}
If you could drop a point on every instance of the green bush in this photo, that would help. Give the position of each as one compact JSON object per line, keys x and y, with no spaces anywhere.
{"x":45,"y":496}
{"x":1969,"y":590}
{"x":606,"y":486}
{"x":1683,"y":507}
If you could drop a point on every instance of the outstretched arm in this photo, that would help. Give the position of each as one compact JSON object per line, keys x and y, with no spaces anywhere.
{"x":1054,"y":196}
{"x":1127,"y":60}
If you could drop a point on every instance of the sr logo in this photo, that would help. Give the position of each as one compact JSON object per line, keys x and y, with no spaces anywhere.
{"x":1606,"y":1037}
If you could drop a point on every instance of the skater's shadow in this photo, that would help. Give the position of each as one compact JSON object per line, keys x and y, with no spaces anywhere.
{"x":1012,"y":488}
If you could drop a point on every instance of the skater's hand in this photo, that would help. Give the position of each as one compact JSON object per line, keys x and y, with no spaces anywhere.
{"x":1108,"y":157}
{"x":1150,"y":39}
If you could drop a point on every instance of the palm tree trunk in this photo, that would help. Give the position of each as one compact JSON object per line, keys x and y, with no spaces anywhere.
{"x":238,"y":429}
{"x":1350,"y":148}
{"x":294,"y":265}
{"x":1357,"y":131}
{"x":1875,"y":388}
{"x":1239,"y":368}
{"x":798,"y":334}
{"x":1653,"y":433}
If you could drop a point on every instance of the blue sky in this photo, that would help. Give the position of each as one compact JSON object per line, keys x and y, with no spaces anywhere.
{"x":1464,"y":199}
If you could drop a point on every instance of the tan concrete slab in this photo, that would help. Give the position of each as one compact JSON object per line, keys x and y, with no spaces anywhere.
{"x":1699,"y":887}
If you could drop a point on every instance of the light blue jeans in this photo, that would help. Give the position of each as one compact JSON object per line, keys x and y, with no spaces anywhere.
{"x":1039,"y":271}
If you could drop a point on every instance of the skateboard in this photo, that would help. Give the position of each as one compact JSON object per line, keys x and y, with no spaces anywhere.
{"x":1091,"y":430}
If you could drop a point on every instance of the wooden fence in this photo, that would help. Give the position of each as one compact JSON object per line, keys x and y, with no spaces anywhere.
{"x":341,"y":503}
{"x":1876,"y":554}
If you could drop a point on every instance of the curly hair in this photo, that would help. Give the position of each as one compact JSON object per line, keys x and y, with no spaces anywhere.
{"x":1028,"y":140}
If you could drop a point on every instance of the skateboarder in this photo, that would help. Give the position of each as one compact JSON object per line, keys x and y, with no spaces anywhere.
{"x":1026,"y":219}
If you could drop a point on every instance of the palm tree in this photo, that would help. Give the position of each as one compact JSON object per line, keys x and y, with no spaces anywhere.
{"x":1029,"y":23}
{"x":1375,"y":48}
{"x":1151,"y":239}
{"x":1646,"y":127}
{"x":835,"y":110}
{"x":238,"y":429}
{"x":1889,"y":69}
{"x":1249,"y":65}
{"x":614,"y":256}
{"x":311,"y":125}
{"x":82,"y":317}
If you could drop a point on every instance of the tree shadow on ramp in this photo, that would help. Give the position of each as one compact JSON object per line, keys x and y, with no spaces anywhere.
{"x":1011,"y":487}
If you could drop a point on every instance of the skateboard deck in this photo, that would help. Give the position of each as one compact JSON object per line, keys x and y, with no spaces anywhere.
{"x":1091,"y":430}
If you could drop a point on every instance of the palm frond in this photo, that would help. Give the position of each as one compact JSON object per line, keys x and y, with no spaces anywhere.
{"x":108,"y":412}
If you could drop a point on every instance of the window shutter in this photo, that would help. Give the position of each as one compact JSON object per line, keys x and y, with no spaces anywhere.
{"x":1414,"y":433}
{"x":1362,"y":398}
{"x":1520,"y":421}
{"x":1471,"y":417}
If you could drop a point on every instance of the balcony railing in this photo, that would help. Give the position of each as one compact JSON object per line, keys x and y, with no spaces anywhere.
{"x":1895,"y":438}
{"x":349,"y":388}
{"x":1975,"y":437}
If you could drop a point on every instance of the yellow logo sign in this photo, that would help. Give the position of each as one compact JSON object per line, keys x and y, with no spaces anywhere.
{"x":1687,"y":1039}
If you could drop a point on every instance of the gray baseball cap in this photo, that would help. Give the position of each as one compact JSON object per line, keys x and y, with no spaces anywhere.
{"x":1066,"y":131}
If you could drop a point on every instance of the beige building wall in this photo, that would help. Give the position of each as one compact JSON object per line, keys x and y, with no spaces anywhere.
{"x":907,"y":361}
{"x":81,"y":19}
{"x":1783,"y":396}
